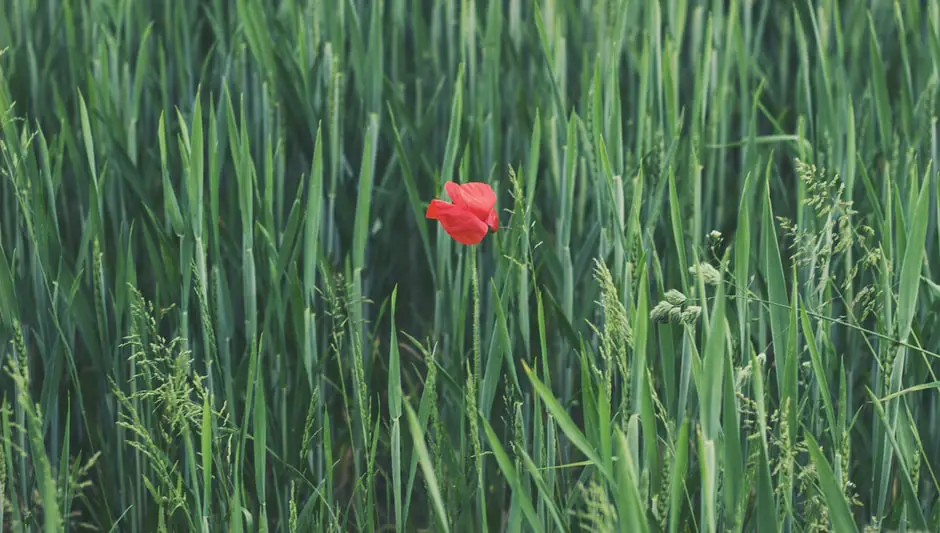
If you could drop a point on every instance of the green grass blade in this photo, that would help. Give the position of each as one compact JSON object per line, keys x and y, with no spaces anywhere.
{"x":840,"y":515}
{"x":426,"y":467}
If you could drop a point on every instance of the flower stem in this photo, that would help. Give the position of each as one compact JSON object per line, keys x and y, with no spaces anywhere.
{"x":473,"y":390}
{"x":476,"y":316}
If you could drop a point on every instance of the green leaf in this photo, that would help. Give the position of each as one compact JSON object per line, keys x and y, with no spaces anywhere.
{"x":909,"y":282}
{"x":566,"y":423}
{"x":839,"y":513}
{"x":512,"y":478}
{"x":424,"y":459}
{"x":631,"y":504}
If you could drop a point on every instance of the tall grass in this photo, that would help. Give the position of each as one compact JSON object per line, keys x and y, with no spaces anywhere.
{"x":712,"y":304}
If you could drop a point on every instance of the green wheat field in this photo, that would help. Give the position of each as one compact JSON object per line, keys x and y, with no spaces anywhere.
{"x":712,"y":304}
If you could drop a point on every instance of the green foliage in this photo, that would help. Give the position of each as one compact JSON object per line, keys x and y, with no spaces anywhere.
{"x":712,"y":304}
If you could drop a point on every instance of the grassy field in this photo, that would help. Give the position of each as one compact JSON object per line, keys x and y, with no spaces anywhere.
{"x":712,"y":303}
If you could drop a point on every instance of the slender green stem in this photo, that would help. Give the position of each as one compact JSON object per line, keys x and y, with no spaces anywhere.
{"x":476,"y":316}
{"x":474,"y":388}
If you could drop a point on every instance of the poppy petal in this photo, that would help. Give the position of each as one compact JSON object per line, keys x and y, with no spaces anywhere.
{"x":434,"y":209}
{"x":492,"y":220}
{"x":478,"y":197}
{"x":462,"y":225}
{"x":453,"y":190}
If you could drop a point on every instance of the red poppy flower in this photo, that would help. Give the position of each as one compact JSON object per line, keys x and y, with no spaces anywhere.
{"x":466,"y":219}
